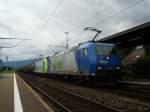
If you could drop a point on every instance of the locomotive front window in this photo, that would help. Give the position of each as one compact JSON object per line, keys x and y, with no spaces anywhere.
{"x":105,"y":50}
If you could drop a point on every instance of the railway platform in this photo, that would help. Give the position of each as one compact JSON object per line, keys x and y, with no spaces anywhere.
{"x":17,"y":96}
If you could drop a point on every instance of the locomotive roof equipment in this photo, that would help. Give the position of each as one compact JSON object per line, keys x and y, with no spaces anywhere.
{"x":93,"y":29}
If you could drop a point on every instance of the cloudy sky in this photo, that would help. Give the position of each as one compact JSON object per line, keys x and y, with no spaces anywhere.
{"x":45,"y":21}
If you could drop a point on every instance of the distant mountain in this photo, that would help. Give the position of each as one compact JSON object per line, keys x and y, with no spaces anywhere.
{"x":16,"y":64}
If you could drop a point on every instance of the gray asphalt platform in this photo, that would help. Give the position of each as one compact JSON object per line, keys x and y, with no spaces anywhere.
{"x":30,"y":101}
{"x":6,"y":93}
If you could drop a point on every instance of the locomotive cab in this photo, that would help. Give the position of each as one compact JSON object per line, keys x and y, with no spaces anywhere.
{"x":107,"y":57}
{"x":96,"y":57}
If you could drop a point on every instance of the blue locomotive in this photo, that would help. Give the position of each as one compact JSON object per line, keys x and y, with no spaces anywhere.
{"x":87,"y":60}
{"x":96,"y":57}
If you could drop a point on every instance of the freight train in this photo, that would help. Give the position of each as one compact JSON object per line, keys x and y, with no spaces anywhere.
{"x":88,"y":60}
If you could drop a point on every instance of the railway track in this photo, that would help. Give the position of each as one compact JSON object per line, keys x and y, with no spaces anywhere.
{"x":66,"y":101}
{"x":138,"y":92}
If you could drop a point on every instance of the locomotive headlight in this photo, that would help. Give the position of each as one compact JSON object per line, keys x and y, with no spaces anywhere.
{"x":99,"y":68}
{"x":92,"y":74}
{"x":107,"y":57}
{"x":118,"y":68}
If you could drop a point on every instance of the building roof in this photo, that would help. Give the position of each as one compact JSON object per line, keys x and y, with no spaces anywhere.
{"x":132,"y":37}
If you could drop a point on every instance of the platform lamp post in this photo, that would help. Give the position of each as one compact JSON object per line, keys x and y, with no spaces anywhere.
{"x":67,"y":45}
{"x":7,"y":60}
